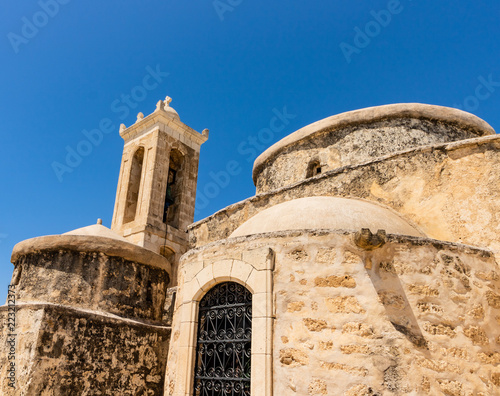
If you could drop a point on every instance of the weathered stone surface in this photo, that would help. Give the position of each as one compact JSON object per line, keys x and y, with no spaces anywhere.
{"x":477,"y":335}
{"x":344,"y":304}
{"x":388,"y":332}
{"x":360,"y":329}
{"x":359,"y":390}
{"x":295,"y":306}
{"x":315,"y":324}
{"x":439,"y":329}
{"x":360,"y":371}
{"x":493,"y":299}
{"x":293,"y":357}
{"x":67,"y":352}
{"x":318,"y":387}
{"x":335,"y":281}
{"x":93,"y":280}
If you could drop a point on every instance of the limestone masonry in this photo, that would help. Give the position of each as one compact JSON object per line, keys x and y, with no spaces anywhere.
{"x":366,"y":264}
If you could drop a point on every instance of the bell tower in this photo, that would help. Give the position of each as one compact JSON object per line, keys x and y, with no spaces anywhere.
{"x":156,"y":190}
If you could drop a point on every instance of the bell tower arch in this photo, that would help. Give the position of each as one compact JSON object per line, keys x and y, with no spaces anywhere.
{"x":156,"y":190}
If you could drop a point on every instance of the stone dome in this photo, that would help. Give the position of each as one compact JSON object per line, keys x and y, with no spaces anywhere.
{"x":97,"y":230}
{"x":326,"y":213}
{"x":360,"y":136}
{"x":172,"y":112}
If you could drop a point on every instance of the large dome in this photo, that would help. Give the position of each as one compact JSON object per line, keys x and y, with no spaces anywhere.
{"x":326,"y":213}
{"x":360,"y":136}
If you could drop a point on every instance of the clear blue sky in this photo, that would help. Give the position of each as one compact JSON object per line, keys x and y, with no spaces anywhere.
{"x":67,"y":65}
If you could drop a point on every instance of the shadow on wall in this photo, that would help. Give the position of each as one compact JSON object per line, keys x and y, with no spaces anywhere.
{"x":389,"y":289}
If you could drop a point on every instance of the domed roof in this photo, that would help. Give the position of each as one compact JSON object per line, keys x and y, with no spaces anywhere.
{"x":171,"y":111}
{"x":97,"y":230}
{"x":447,"y":115}
{"x":326,"y":213}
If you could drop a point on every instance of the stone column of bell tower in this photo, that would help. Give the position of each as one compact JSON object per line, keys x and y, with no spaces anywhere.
{"x":156,"y":190}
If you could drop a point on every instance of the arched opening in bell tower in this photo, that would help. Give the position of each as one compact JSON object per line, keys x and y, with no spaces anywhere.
{"x":134,"y":185}
{"x":173,"y":192}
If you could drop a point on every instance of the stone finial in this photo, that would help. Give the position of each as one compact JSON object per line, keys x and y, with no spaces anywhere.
{"x":99,"y":221}
{"x":364,"y":239}
{"x":205,"y":132}
{"x":140,"y":116}
{"x":122,"y":127}
{"x":160,"y":105}
{"x":167,"y":101}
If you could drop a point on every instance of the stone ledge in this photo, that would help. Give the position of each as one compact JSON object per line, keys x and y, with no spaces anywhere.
{"x":161,"y":116}
{"x":85,"y":243}
{"x":394,"y":238}
{"x":85,"y":312}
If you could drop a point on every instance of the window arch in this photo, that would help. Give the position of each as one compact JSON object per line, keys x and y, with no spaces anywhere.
{"x":223,"y":347}
{"x":173,"y":191}
{"x":134,"y":185}
{"x":313,"y":169}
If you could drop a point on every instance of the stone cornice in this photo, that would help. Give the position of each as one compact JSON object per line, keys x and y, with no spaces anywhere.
{"x":160,"y":116}
{"x":87,"y":243}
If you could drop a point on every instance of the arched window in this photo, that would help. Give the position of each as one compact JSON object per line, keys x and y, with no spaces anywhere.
{"x":168,"y":253}
{"x":313,"y":169}
{"x":224,"y":340}
{"x":134,"y":185}
{"x":174,"y":188}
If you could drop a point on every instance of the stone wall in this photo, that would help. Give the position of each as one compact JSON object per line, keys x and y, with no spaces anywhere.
{"x":421,"y":320}
{"x":450,"y":191}
{"x":92,"y":280}
{"x":63,"y":351}
{"x":416,"y":316}
{"x":90,"y":317}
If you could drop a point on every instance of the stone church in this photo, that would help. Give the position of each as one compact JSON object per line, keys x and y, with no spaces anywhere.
{"x":366,"y":264}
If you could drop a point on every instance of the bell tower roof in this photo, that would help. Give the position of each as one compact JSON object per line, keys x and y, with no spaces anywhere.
{"x":164,"y":115}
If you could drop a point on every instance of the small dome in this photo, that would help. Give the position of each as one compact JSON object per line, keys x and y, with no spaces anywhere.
{"x":97,"y":230}
{"x":326,"y":213}
{"x":167,"y":109}
{"x":172,"y":112}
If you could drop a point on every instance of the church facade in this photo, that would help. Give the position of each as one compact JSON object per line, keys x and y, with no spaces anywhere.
{"x":366,"y":264}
